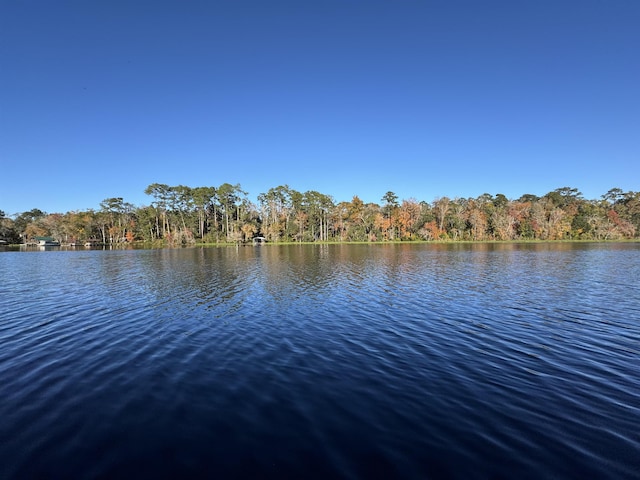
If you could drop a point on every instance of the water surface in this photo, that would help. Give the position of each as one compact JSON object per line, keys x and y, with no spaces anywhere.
{"x":322,"y":361}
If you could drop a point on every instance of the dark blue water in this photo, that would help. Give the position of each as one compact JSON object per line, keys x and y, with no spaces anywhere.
{"x":341,"y":361}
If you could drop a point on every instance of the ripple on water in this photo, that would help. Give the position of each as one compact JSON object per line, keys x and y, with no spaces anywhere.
{"x":405,"y":361}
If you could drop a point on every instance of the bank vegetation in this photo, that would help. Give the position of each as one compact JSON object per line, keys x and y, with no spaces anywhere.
{"x":182,"y":215}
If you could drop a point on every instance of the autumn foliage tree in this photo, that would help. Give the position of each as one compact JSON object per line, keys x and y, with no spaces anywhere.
{"x":182,"y":215}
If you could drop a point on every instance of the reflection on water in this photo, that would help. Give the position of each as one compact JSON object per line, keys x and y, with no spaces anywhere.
{"x":348,"y":361}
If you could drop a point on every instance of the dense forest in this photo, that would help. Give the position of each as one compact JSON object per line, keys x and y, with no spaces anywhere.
{"x":181,"y":215}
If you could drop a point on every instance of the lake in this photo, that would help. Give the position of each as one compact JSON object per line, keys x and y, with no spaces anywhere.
{"x":322,"y":361}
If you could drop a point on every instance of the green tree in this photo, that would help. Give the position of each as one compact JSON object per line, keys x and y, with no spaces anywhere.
{"x":390,"y":210}
{"x":203,"y":198}
{"x":116,"y":215}
{"x":8,"y":231}
{"x":276,"y":207}
{"x":160,"y":193}
{"x":564,"y":196}
{"x":29,"y":219}
{"x":229,"y":197}
{"x":317,"y":207}
{"x":613,"y":196}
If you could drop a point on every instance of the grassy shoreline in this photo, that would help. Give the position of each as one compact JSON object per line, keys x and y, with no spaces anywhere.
{"x":161,"y":245}
{"x":424,"y":242}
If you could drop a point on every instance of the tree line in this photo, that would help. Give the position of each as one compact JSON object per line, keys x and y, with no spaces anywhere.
{"x":182,"y":215}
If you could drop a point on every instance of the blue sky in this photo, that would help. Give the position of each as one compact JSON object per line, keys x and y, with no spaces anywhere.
{"x":423,"y":98}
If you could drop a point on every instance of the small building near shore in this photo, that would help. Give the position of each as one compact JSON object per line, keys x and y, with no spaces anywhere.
{"x":46,"y":242}
{"x":259,"y":240}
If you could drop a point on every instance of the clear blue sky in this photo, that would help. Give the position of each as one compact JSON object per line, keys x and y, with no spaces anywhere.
{"x":425,"y":98}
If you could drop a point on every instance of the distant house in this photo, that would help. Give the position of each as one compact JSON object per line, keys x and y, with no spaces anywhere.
{"x":259,"y":240}
{"x":47,"y":242}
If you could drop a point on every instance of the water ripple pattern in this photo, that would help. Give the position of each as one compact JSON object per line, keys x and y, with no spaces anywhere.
{"x":322,"y":361}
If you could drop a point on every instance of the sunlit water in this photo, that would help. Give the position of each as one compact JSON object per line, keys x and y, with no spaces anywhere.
{"x":339,"y":361}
